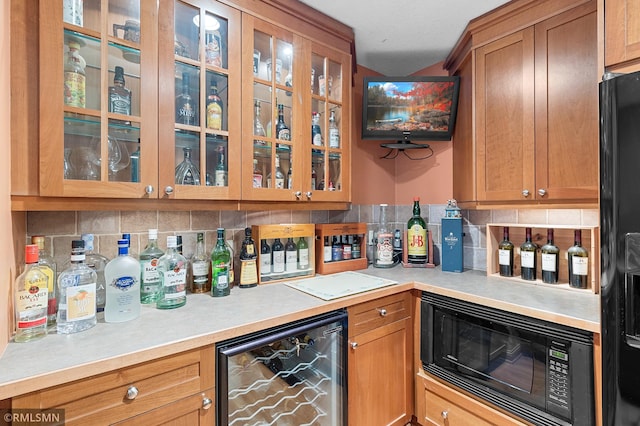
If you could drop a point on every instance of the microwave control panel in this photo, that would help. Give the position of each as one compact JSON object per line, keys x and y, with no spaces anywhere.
{"x":558,"y":375}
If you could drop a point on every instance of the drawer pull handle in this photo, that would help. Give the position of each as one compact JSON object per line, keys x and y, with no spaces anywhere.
{"x":132,"y":392}
{"x":206,"y":403}
{"x":383,"y":312}
{"x":444,"y":414}
{"x":354,"y":345}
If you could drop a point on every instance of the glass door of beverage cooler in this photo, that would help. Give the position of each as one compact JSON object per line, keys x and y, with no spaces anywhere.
{"x":290,"y":375}
{"x":199,"y":107}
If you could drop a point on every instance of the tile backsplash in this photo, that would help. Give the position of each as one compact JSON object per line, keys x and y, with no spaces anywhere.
{"x":61,"y":227}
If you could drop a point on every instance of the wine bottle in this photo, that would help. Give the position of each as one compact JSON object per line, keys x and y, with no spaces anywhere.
{"x":336,"y":249}
{"x":578,"y":262}
{"x":277,"y":252}
{"x":282,"y":130}
{"x":248,"y":267}
{"x":220,"y":264}
{"x":303,"y":253}
{"x":327,"y":256}
{"x":346,"y":248}
{"x":528,"y":261}
{"x":416,"y":236}
{"x":265,"y":258}
{"x":550,"y":255}
{"x":214,"y":108}
{"x":505,"y":254}
{"x":290,"y":255}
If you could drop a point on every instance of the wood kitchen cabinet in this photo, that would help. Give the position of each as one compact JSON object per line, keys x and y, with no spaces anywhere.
{"x":177,"y":388}
{"x":379,"y":361}
{"x":622,"y":33}
{"x":534,"y":97}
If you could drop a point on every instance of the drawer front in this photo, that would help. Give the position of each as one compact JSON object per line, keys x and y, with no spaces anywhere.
{"x":120,"y":394}
{"x":377,"y":313}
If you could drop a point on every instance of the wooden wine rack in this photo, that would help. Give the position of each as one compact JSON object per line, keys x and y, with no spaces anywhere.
{"x":336,"y":229}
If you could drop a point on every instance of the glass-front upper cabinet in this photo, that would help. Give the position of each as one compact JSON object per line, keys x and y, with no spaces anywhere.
{"x":199,"y":100}
{"x":98,"y":114}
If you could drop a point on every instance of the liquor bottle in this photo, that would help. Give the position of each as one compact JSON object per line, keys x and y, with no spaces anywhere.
{"x":186,"y":172}
{"x":416,"y":236}
{"x":334,"y":132}
{"x":49,"y":267}
{"x":31,"y":298}
{"x":257,"y":175}
{"x":290,"y":255}
{"x":76,"y":294}
{"x":186,"y":111}
{"x":505,"y":254}
{"x":265,"y":258}
{"x":314,"y":177}
{"x":279,"y":183}
{"x":149,"y":275}
{"x":356,"y":250}
{"x":122,"y":274}
{"x":248,"y":267}
{"x":220,"y":264}
{"x":336,"y":249}
{"x":221,"y":169}
{"x":258,"y":128}
{"x":578,"y":262}
{"x":97,"y":262}
{"x":550,"y":256}
{"x":346,"y":248}
{"x":134,"y":159}
{"x":214,"y":108}
{"x":172,"y":268}
{"x":200,"y":268}
{"x":327,"y":253}
{"x":277,"y":252}
{"x":290,"y":177}
{"x":316,"y":130}
{"x":384,"y":245}
{"x":74,"y":77}
{"x":232,"y":270}
{"x":119,"y":95}
{"x":303,"y":253}
{"x":132,"y":253}
{"x":282,"y":130}
{"x":528,"y":261}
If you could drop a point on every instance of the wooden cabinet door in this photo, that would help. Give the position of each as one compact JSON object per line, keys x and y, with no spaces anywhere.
{"x":622,"y":31}
{"x":505,"y":118}
{"x":195,"y":410}
{"x":567,"y":106}
{"x":380,"y":378}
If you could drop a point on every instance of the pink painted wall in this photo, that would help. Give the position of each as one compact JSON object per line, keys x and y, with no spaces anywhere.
{"x":397,"y":181}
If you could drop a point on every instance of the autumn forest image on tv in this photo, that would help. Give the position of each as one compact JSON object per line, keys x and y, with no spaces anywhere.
{"x":409,"y":106}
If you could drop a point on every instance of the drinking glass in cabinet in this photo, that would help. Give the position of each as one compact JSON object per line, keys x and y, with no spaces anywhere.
{"x":117,"y":154}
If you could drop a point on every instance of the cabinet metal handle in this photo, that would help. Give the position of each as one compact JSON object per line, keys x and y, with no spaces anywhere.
{"x":132,"y":392}
{"x":525,"y":192}
{"x":354,"y":345}
{"x":206,"y":402}
{"x":542,"y":192}
{"x":298,"y":194}
{"x":309,"y":194}
{"x":168,"y":190}
{"x":383,"y":312}
{"x":148,"y":189}
{"x":444,"y":414}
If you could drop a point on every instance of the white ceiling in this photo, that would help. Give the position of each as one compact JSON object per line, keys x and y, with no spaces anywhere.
{"x":400,"y":37}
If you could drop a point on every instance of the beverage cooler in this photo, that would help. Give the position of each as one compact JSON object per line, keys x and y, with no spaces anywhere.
{"x":294,"y":374}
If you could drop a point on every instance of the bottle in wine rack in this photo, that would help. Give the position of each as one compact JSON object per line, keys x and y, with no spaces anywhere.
{"x":528,"y":261}
{"x":550,"y":256}
{"x":505,"y":254}
{"x":578,"y":262}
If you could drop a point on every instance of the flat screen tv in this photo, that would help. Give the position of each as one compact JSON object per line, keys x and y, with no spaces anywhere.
{"x":416,"y":108}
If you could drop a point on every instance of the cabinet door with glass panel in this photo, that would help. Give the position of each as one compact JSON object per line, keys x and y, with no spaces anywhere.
{"x":98,"y":98}
{"x":199,"y":100}
{"x":327,"y":169}
{"x":272,"y":154}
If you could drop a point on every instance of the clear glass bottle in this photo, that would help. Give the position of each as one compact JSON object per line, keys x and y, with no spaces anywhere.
{"x":265,"y":258}
{"x":258,"y":128}
{"x":200,"y":268}
{"x":172,"y":268}
{"x":49,"y":267}
{"x":578,"y":262}
{"x":282,"y":130}
{"x":334,"y":131}
{"x":221,"y":169}
{"x":220,"y":265}
{"x":528,"y":261}
{"x":290,"y":255}
{"x":248,"y":267}
{"x":277,"y":252}
{"x":303,"y":253}
{"x":550,"y":257}
{"x":122,"y":275}
{"x":257,"y":175}
{"x":417,"y":236}
{"x":316,"y":130}
{"x":97,"y":262}
{"x":186,"y":172}
{"x":119,"y":95}
{"x":149,"y":275}
{"x":74,"y":76}
{"x":76,"y":294}
{"x":384,"y":237}
{"x":279,"y":181}
{"x":186,"y":110}
{"x":505,"y":254}
{"x":31,"y":298}
{"x":214,"y":107}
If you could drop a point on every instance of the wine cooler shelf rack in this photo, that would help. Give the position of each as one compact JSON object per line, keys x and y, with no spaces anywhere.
{"x":563,"y":239}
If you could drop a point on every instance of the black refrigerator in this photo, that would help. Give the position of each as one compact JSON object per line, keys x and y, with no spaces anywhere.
{"x":620,"y":247}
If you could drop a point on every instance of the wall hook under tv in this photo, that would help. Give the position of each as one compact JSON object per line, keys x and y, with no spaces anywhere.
{"x":402,"y":146}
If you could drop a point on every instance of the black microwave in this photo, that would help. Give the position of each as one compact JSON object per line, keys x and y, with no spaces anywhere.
{"x":540,"y":371}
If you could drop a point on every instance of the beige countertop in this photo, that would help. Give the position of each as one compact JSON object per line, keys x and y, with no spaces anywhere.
{"x":56,"y":359}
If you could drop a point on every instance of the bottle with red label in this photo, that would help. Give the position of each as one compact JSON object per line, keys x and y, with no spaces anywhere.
{"x":416,"y":236}
{"x":31,"y":298}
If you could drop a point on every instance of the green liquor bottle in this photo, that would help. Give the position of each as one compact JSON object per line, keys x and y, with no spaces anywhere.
{"x":220,"y":264}
{"x":416,"y":236}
